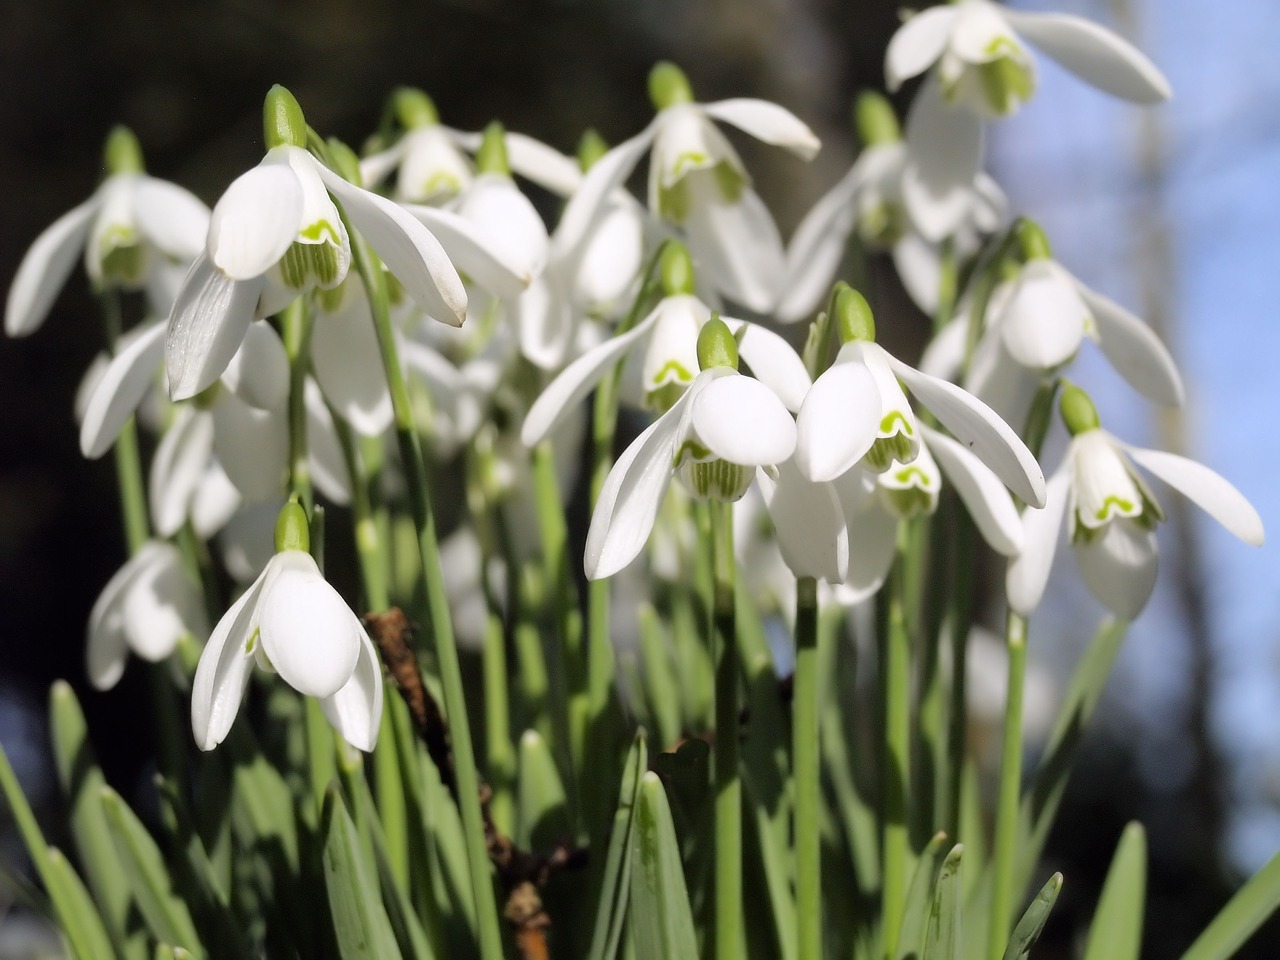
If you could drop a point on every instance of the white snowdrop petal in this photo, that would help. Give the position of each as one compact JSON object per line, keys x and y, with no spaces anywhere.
{"x":1206,"y":489}
{"x":838,"y":422}
{"x":507,"y":222}
{"x":1119,"y":566}
{"x":544,"y":165}
{"x":410,"y":251}
{"x":160,"y":606}
{"x":253,"y":447}
{"x":258,"y":372}
{"x":378,"y":166}
{"x":119,"y":391}
{"x":1043,"y":321}
{"x":612,"y":257}
{"x":347,"y":363}
{"x":355,"y":711}
{"x":984,"y":496}
{"x":944,"y":356}
{"x":978,"y":427}
{"x":308,"y":632}
{"x":214,"y":502}
{"x":176,"y":470}
{"x":1028,"y":572}
{"x":808,"y":522}
{"x":171,"y":217}
{"x":816,"y":249}
{"x":767,"y":122}
{"x":772,"y":361}
{"x":1094,"y":54}
{"x":544,"y":323}
{"x":45,"y":268}
{"x":324,"y":449}
{"x":1134,"y":350}
{"x":945,"y":152}
{"x":256,"y":220}
{"x":741,"y":420}
{"x":206,"y":327}
{"x":873,"y":537}
{"x":919,"y":266}
{"x":105,"y":646}
{"x":917,"y":44}
{"x":738,"y":247}
{"x":470,"y":251}
{"x":224,"y":669}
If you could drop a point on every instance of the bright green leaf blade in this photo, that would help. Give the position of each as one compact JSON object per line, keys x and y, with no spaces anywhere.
{"x":542,"y":814}
{"x":1028,"y":928}
{"x":943,"y":939}
{"x":147,"y":876}
{"x":359,"y":918}
{"x":661,"y":691}
{"x":660,"y":919}
{"x":1116,"y":931}
{"x":615,"y":882}
{"x":1244,"y":913}
{"x":915,"y":914}
{"x":77,"y":914}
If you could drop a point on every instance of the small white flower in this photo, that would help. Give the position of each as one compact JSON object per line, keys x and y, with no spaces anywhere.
{"x":146,"y":607}
{"x":292,"y":622}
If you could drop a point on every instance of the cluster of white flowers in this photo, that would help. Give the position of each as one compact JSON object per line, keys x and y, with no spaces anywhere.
{"x":527,"y":328}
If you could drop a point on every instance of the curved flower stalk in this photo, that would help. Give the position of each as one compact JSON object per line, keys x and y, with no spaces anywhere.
{"x":869,"y":199}
{"x":722,"y":428}
{"x":857,"y":412}
{"x":276,"y":234}
{"x":135,"y":231}
{"x":1112,"y":514}
{"x":982,"y":70}
{"x":146,"y":607}
{"x":698,"y":183}
{"x":669,"y":335}
{"x":290,"y":622}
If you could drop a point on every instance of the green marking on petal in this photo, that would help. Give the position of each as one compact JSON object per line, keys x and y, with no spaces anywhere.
{"x":121,"y":254}
{"x":730,"y":180}
{"x":895,"y":422}
{"x":672,"y":370}
{"x":1006,"y":81}
{"x":252,"y":641}
{"x":664,"y":397}
{"x":690,"y":450}
{"x":1113,"y":505}
{"x":716,"y":479}
{"x":441,"y":185}
{"x":673,"y":202}
{"x":909,"y":502}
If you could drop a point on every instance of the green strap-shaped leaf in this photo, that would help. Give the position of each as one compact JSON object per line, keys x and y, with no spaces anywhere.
{"x":915,"y":914}
{"x":943,"y":939}
{"x":542,"y":813}
{"x":147,"y":876}
{"x":616,"y":879}
{"x":1244,"y":913}
{"x":1027,"y":931}
{"x":661,"y":690}
{"x":661,"y":922}
{"x":1116,"y":931}
{"x":359,"y":920}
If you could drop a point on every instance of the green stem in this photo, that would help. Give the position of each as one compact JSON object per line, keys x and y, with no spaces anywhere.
{"x":1002,"y":891}
{"x":728,"y":784}
{"x":948,"y":277}
{"x":807,"y":773}
{"x":896,"y":655}
{"x":296,"y":325}
{"x":437,"y":601}
{"x":959,"y":617}
{"x":500,"y":751}
{"x":132,"y":489}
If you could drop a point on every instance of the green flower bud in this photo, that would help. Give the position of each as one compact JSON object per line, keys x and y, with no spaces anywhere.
{"x":874,"y":119}
{"x":413,"y":108}
{"x":1078,"y":412}
{"x":675,"y":268}
{"x":292,"y":530}
{"x":492,"y":155}
{"x":591,"y":148}
{"x":668,"y":86}
{"x":1032,"y":242}
{"x":854,"y":320}
{"x":716,"y":345}
{"x":122,"y":153}
{"x":282,"y":120}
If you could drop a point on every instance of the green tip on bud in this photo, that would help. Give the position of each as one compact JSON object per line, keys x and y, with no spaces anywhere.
{"x":344,"y":161}
{"x":874,"y":119}
{"x":716,"y":345}
{"x":282,"y":120}
{"x":1078,"y":411}
{"x":668,"y":86}
{"x":591,"y":148}
{"x":1032,"y":241}
{"x":292,"y":529}
{"x":122,"y":153}
{"x":852,"y":313}
{"x":492,"y":155}
{"x":676,"y":269}
{"x":413,"y":108}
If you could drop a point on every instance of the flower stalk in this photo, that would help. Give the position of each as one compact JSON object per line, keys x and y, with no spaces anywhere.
{"x":806,"y":770}
{"x":728,"y":783}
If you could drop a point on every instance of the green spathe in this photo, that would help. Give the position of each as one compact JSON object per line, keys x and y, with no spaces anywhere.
{"x":854,"y":320}
{"x":716,"y":345}
{"x":283,"y":124}
{"x":668,"y":86}
{"x":675,"y":268}
{"x":1032,"y":241}
{"x":591,"y":148}
{"x":874,"y":119}
{"x":292,"y":530}
{"x":414,"y":109}
{"x":122,"y":152}
{"x":1078,"y":412}
{"x":492,"y":155}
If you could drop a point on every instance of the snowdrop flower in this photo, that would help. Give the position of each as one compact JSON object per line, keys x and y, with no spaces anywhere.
{"x":275,"y":234}
{"x":698,"y":183}
{"x":670,"y":337}
{"x":291,"y":622}
{"x":132,"y":231}
{"x":869,"y":199}
{"x":1112,"y":514}
{"x":983,"y":71}
{"x":857,"y":411}
{"x":722,"y":428}
{"x":146,"y":607}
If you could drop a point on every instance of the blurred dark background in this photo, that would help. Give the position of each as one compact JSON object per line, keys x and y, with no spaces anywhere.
{"x":189,"y":80}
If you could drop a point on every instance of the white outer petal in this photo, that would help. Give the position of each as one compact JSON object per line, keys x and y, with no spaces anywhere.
{"x":347,"y":363}
{"x":772,"y":361}
{"x":410,"y":251}
{"x":741,"y":420}
{"x":739,"y":248}
{"x":544,"y":323}
{"x":45,"y":268}
{"x":873,"y":537}
{"x":256,"y":219}
{"x":224,"y":670}
{"x":172,"y":218}
{"x":355,"y":711}
{"x":1119,"y":566}
{"x":206,"y":327}
{"x":119,"y":391}
{"x":258,"y":373}
{"x":506,"y":222}
{"x":917,"y":44}
{"x":161,"y":605}
{"x":214,"y":502}
{"x":469,"y":250}
{"x":817,"y":247}
{"x":808,"y":522}
{"x":944,"y":155}
{"x":1094,"y":54}
{"x":984,"y":496}
{"x":105,"y":646}
{"x":767,"y":122}
{"x":1206,"y":489}
{"x":176,"y":470}
{"x":1041,"y":532}
{"x":544,"y":165}
{"x":377,"y":166}
{"x":919,"y":266}
{"x":324,"y":449}
{"x":252,"y":445}
{"x":1134,"y":350}
{"x":1043,"y":321}
{"x":978,"y":427}
{"x":838,"y":422}
{"x":944,"y":356}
